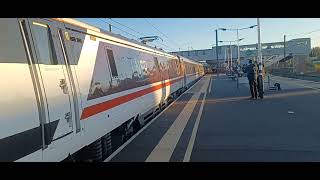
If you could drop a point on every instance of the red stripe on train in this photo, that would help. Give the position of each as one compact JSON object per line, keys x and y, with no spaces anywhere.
{"x":97,"y":108}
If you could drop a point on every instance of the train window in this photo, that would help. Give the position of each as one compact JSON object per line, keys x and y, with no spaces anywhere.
{"x":11,"y":46}
{"x":44,"y":42}
{"x":75,"y":46}
{"x":112,"y":63}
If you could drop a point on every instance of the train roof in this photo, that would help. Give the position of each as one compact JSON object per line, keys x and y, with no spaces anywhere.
{"x":118,"y":37}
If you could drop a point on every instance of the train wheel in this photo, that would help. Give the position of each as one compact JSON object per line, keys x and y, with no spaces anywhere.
{"x":106,"y":146}
{"x":93,"y":152}
{"x":129,"y":133}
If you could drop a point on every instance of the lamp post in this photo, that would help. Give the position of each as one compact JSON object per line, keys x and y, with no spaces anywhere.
{"x":217,"y":46}
{"x":229,"y":55}
{"x":230,"y":65}
{"x":238,"y":54}
{"x":217,"y":52}
{"x":225,"y":56}
{"x":284,"y":46}
{"x":239,"y":29}
{"x":260,"y":77}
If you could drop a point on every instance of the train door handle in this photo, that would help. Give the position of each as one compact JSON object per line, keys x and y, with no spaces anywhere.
{"x":63,"y":86}
{"x":68,"y":117}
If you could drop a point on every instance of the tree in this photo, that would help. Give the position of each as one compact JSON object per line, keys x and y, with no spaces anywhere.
{"x":315,"y":52}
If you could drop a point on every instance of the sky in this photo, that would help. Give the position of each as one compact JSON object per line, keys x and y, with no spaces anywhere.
{"x":199,"y":33}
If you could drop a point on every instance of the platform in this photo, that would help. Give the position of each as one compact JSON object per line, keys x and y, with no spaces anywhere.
{"x":215,"y":121}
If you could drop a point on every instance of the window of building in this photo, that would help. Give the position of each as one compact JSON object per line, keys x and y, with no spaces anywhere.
{"x":43,"y":39}
{"x":112,"y":63}
{"x":204,"y":52}
{"x":196,"y":53}
{"x":11,"y":46}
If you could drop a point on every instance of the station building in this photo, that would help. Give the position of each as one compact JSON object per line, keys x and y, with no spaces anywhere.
{"x":300,"y":47}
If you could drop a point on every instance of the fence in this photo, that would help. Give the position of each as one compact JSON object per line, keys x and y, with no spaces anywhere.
{"x":300,"y":66}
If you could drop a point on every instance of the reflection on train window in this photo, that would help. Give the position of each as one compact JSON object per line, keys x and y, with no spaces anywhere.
{"x":156,"y":63}
{"x":11,"y":46}
{"x":43,"y":38}
{"x":79,"y":40}
{"x":132,"y":69}
{"x":75,"y":47}
{"x":112,"y":63}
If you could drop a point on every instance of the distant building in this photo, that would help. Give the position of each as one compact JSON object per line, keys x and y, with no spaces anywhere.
{"x":301,"y":46}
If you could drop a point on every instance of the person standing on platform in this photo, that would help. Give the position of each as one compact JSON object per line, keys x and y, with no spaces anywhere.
{"x":252,"y":74}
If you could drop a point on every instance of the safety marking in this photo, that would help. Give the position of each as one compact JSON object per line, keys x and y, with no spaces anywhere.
{"x":210,"y":86}
{"x":194,"y":132}
{"x":164,"y":149}
{"x":147,"y":125}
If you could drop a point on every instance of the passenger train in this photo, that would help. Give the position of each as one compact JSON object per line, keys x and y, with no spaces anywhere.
{"x":71,"y":91}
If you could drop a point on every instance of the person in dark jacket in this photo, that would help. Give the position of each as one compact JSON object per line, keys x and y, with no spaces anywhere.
{"x":252,"y":74}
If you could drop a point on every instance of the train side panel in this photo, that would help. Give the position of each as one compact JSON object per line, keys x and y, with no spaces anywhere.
{"x":64,"y":94}
{"x":118,"y":83}
{"x":20,"y":133}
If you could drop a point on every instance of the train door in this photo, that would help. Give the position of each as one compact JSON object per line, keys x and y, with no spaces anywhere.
{"x":55,"y":81}
{"x":71,"y":44}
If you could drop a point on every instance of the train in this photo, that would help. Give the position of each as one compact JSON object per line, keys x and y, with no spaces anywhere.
{"x":73,"y":92}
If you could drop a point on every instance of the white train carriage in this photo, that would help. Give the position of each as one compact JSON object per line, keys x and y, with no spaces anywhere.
{"x":69,"y":88}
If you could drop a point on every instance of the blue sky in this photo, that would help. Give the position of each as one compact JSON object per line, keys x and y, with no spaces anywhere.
{"x":198,"y":33}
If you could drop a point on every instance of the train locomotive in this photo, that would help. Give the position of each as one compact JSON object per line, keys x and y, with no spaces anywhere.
{"x":71,"y":91}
